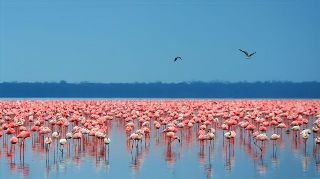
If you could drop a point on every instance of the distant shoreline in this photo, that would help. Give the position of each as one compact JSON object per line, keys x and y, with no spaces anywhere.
{"x":183,"y":90}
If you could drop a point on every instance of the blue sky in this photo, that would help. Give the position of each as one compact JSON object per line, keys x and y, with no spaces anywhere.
{"x":136,"y":41}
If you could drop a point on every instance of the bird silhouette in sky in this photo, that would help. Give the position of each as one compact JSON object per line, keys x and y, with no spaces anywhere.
{"x":177,"y":58}
{"x":248,"y":56}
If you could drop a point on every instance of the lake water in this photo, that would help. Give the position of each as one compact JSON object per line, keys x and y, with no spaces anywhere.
{"x":240,"y":158}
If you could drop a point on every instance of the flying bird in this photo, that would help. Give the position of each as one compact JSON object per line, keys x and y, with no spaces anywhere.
{"x":177,"y":58}
{"x":247,"y":54}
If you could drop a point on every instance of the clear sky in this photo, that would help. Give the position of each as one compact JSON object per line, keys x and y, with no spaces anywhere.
{"x":136,"y":40}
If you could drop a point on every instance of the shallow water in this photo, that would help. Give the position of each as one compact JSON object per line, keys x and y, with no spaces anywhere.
{"x":288,"y":158}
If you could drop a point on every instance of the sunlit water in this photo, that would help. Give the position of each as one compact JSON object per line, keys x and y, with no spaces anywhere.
{"x":288,"y":158}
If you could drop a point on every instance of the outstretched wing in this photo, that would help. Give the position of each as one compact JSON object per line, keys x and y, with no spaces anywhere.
{"x":252,"y":54}
{"x":247,"y":54}
{"x":175,"y":59}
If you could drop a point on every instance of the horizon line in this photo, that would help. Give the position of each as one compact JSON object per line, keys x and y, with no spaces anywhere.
{"x":157,"y":82}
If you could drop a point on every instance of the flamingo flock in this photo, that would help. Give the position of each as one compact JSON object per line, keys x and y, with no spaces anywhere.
{"x":61,"y":126}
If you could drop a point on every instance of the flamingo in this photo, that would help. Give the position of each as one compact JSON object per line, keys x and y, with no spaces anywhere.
{"x":261,"y":137}
{"x":13,"y":141}
{"x":230,"y":135}
{"x":135,"y":137}
{"x":296,"y":128}
{"x":305,"y":135}
{"x":171,"y":135}
{"x":62,"y":143}
{"x":274,"y":137}
{"x":107,"y":142}
{"x":48,"y":141}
